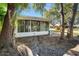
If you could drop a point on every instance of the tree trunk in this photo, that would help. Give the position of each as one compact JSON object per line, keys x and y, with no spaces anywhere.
{"x":62,"y":23}
{"x":70,"y":29}
{"x":6,"y":33}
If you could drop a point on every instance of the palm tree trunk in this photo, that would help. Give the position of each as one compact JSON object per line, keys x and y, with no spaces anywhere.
{"x":70,"y":29}
{"x":6,"y":33}
{"x":62,"y":23}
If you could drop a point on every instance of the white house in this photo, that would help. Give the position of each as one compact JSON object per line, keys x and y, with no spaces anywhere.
{"x":31,"y":26}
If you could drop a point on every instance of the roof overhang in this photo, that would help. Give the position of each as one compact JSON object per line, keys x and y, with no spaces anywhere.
{"x":32,"y":18}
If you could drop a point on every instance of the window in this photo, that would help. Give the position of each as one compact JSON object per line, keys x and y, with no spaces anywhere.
{"x":35,"y":26}
{"x":44,"y":26}
{"x":20,"y":26}
{"x":27,"y":26}
{"x":23,"y":26}
{"x":32,"y":25}
{"x":47,"y":26}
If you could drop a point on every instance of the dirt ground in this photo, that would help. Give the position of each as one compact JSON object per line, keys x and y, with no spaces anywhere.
{"x":43,"y":46}
{"x":50,"y":46}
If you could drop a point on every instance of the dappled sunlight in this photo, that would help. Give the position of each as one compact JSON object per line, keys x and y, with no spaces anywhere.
{"x":24,"y":50}
{"x":76,"y":48}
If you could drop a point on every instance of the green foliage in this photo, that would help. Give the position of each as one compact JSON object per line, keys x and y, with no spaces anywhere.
{"x":67,"y":11}
{"x":21,"y":6}
{"x":54,"y":12}
{"x":3,"y":9}
{"x":39,"y":7}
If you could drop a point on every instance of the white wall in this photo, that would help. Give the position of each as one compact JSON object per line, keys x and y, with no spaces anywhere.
{"x":26,"y":34}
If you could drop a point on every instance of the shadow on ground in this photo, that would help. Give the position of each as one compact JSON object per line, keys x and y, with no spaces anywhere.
{"x":48,"y":46}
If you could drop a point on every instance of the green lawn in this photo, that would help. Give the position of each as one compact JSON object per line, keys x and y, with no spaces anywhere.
{"x":75,"y":31}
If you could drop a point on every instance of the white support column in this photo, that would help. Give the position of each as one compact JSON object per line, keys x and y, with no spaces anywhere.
{"x":30,"y":25}
{"x":24,"y":24}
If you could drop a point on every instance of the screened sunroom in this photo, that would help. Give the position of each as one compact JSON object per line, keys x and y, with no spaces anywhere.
{"x":31,"y":26}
